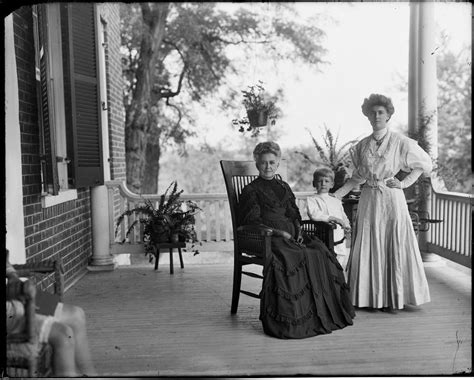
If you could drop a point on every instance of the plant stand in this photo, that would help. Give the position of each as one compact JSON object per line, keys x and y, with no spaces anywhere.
{"x":170,"y":246}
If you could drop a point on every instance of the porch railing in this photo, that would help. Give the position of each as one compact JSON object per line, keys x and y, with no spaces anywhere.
{"x":213,"y":222}
{"x":450,"y":239}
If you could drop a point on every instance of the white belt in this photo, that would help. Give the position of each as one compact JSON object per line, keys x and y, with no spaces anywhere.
{"x":375,"y":183}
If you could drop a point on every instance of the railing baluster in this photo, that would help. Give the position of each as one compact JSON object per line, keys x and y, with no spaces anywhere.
{"x":437,"y":239}
{"x":122,"y":227}
{"x":131,"y":219}
{"x":457,"y":228}
{"x":198,"y":225}
{"x":462,"y":234}
{"x":451,"y":229}
{"x":219,"y":218}
{"x":444,"y":228}
{"x":434,"y":213}
{"x":208,"y":221}
{"x":468,"y":224}
{"x":227,"y":221}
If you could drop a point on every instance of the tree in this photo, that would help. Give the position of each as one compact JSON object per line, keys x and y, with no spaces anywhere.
{"x":176,"y":53}
{"x":197,"y":170}
{"x":454,"y":119}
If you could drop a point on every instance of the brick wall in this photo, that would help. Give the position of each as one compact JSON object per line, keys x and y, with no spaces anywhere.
{"x":63,"y":230}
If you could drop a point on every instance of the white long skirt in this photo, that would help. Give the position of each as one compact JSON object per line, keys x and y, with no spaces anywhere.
{"x":385,"y":267}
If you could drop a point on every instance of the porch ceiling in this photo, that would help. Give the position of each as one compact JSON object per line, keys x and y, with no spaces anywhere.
{"x":147,"y":323}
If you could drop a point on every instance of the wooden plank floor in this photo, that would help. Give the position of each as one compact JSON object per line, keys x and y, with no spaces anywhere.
{"x":147,"y":323}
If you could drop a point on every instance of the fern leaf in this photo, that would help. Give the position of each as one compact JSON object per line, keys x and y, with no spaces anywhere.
{"x":319,"y":149}
{"x":305,"y":156}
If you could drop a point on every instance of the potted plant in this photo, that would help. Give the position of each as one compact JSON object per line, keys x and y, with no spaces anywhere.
{"x":260,"y":109}
{"x":171,"y":220}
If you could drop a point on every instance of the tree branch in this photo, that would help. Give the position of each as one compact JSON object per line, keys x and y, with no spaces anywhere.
{"x":166,"y":92}
{"x":241,"y":41}
{"x":168,"y":42}
{"x":180,"y":114}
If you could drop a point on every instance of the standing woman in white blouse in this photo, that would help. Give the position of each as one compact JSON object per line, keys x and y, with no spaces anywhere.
{"x":385,"y":269}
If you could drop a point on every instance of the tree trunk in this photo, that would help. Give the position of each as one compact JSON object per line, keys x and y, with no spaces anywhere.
{"x":138,"y":119}
{"x":152,"y":168}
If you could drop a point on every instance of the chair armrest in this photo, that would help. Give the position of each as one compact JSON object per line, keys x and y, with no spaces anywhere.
{"x":254,"y":240}
{"x":320,"y":229}
{"x":310,"y":226}
{"x":44,"y":267}
{"x":415,"y":219}
{"x":264,"y":231}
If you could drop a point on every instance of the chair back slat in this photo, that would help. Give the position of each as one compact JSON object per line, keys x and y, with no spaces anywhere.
{"x":237,"y":175}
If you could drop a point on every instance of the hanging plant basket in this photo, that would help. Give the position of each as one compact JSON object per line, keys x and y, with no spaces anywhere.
{"x":257,"y":118}
{"x":260,"y":109}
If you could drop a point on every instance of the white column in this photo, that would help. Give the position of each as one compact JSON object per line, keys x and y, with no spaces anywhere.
{"x":422,"y":90}
{"x":101,"y":258}
{"x":428,"y":83}
{"x":15,"y":237}
{"x":413,"y":59}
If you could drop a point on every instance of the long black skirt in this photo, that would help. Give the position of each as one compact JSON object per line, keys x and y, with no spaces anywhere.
{"x":304,"y":292}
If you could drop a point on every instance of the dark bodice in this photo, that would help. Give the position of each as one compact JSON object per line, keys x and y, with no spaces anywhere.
{"x":269,"y":202}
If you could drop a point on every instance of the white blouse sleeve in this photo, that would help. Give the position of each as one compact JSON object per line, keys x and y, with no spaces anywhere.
{"x":345,"y":219}
{"x":355,"y":153}
{"x":356,"y":178}
{"x":414,"y":157}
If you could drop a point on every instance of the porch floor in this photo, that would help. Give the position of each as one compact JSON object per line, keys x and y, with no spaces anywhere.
{"x":143,"y":322}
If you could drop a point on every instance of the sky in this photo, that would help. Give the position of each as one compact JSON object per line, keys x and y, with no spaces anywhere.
{"x":367,"y":47}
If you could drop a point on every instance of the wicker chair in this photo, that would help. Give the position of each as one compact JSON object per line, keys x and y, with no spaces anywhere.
{"x":24,"y":358}
{"x":252,"y":243}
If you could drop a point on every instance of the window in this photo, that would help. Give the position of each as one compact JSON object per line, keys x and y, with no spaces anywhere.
{"x":68,"y":96}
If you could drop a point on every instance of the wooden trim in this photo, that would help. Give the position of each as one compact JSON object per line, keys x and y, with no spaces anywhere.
{"x":450,"y":255}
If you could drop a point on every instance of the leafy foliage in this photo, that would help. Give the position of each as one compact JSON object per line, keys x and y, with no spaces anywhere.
{"x":454,"y":120}
{"x":171,"y":216}
{"x":331,"y":155}
{"x":190,"y":63}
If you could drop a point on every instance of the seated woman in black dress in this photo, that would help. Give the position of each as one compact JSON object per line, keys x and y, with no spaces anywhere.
{"x":304,"y":292}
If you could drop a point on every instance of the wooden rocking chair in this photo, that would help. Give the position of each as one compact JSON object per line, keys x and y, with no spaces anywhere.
{"x":252,"y":244}
{"x":22,"y":359}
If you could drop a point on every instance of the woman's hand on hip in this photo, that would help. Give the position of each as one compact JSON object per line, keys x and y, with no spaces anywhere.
{"x":393,"y":183}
